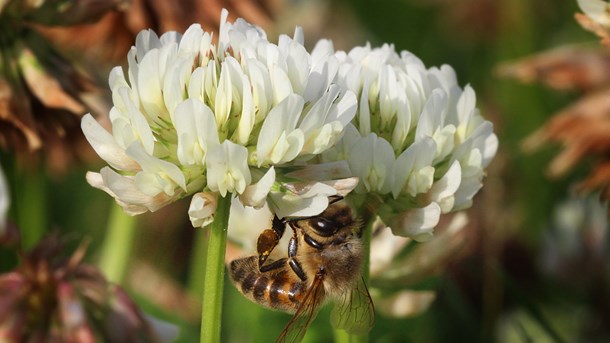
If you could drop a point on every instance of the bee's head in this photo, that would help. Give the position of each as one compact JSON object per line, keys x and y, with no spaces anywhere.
{"x":337,"y":216}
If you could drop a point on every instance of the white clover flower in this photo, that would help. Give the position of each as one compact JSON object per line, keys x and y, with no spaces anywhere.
{"x":191,"y":116}
{"x":417,"y":139}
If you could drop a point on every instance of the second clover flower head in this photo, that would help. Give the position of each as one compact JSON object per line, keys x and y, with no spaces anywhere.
{"x":417,"y":140}
{"x":191,"y":116}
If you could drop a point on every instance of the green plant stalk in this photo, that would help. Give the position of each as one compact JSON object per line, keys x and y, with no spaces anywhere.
{"x":118,"y":244}
{"x":341,"y":336}
{"x":197,"y":264}
{"x":213,"y":282}
{"x":31,"y":205}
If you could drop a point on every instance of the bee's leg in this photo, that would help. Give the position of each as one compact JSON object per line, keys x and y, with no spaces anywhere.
{"x":312,"y":242}
{"x":268,"y":240}
{"x":273,"y":265}
{"x":292,"y":261}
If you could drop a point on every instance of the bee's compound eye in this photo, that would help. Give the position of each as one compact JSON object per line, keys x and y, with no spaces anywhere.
{"x":323,"y":226}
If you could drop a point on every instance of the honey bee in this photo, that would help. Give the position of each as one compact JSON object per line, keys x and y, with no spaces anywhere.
{"x":325,"y":257}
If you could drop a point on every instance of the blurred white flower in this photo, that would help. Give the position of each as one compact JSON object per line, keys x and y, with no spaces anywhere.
{"x":405,"y":303}
{"x":391,"y":268}
{"x":5,"y":199}
{"x":598,"y":10}
{"x":191,"y":116}
{"x":397,"y":263}
{"x":417,"y":139}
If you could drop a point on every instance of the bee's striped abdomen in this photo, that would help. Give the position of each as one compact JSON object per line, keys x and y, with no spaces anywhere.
{"x":277,"y":289}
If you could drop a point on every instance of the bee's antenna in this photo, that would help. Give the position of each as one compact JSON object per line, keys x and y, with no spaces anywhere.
{"x":334,"y":198}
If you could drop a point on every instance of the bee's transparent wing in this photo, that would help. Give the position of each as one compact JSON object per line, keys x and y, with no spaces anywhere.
{"x":354,"y":311}
{"x":297,"y":327}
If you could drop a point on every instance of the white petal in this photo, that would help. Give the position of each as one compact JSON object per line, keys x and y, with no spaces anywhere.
{"x":466,"y":104}
{"x":468,"y":188}
{"x":344,"y":110}
{"x":97,"y":181}
{"x":417,"y":156}
{"x":190,"y":42}
{"x":124,"y":190}
{"x":256,"y":194}
{"x":284,"y":205}
{"x":321,"y":75}
{"x":322,"y":49}
{"x":279,"y":124}
{"x":443,"y":190}
{"x":224,"y":97}
{"x":149,"y":85}
{"x":297,"y":62}
{"x":202,"y":208}
{"x":361,"y":159}
{"x":387,"y":95}
{"x":301,"y":200}
{"x":432,"y":117}
{"x":138,"y":125}
{"x":174,"y":87}
{"x":282,"y":87}
{"x":364,"y":115}
{"x":246,"y":119}
{"x":227,"y":168}
{"x":105,"y":146}
{"x":490,"y":149}
{"x":316,"y":117}
{"x":164,"y":169}
{"x":417,"y":223}
{"x":146,"y":40}
{"x":262,"y":94}
{"x":196,"y":130}
{"x":196,"y":85}
{"x":401,"y":127}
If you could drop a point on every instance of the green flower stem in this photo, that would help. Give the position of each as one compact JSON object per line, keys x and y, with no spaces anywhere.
{"x":117,"y":244}
{"x":31,"y":207}
{"x":341,"y":336}
{"x":213,"y":282}
{"x":197,"y":265}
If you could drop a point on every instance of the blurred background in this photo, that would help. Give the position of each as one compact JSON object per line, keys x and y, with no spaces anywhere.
{"x":532,"y":263}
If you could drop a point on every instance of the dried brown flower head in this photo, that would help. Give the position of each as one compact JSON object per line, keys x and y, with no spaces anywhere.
{"x":583,"y":128}
{"x":108,"y":40}
{"x":41,"y":92}
{"x":573,"y":67}
{"x":49,"y":298}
